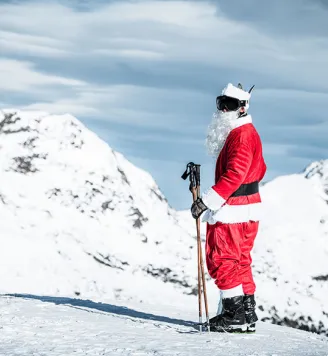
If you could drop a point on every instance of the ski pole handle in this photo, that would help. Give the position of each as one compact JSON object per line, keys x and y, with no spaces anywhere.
{"x":197,"y":169}
{"x":191,"y":172}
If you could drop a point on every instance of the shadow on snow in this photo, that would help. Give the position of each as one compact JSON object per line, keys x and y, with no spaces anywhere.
{"x":88,"y":305}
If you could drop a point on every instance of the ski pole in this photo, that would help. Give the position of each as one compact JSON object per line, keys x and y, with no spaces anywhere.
{"x":199,"y":259}
{"x":201,"y":253}
{"x":193,"y":171}
{"x":194,"y":182}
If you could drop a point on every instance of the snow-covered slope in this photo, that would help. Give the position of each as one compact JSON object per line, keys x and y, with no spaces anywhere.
{"x":77,"y":218}
{"x":317,"y":173}
{"x":291,"y":252}
{"x":36,"y":325}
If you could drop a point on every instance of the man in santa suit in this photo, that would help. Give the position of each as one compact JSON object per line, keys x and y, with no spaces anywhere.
{"x":232,"y":206}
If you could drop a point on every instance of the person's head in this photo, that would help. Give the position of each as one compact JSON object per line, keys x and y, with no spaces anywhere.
{"x":234,"y":99}
{"x":231,"y":105}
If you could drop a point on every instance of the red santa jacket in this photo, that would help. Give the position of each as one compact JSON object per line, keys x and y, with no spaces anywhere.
{"x":239,"y":162}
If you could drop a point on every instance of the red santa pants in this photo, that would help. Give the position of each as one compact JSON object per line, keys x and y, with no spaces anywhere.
{"x":228,"y":258}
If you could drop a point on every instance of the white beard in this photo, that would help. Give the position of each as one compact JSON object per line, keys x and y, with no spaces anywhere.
{"x":219,"y":129}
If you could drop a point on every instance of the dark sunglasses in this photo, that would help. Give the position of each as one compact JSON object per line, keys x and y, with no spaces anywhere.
{"x":224,"y":102}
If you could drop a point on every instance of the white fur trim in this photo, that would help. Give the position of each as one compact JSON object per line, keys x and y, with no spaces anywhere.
{"x":220,"y":306}
{"x":212,"y":199}
{"x":232,"y":292}
{"x":231,"y":214}
{"x":242,"y":121}
{"x":234,"y":92}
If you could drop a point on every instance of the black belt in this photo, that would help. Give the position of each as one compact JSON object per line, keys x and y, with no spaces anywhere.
{"x":246,"y":189}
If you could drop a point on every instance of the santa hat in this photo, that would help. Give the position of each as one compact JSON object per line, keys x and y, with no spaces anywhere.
{"x":238,"y":93}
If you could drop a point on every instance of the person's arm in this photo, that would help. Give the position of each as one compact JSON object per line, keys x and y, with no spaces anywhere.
{"x":264,"y":168}
{"x":238,"y":163}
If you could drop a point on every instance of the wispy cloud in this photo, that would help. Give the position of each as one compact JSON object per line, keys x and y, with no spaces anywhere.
{"x":150,"y":70}
{"x":12,"y":42}
{"x":22,"y":76}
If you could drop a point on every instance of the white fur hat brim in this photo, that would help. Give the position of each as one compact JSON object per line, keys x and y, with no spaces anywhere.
{"x":234,"y":92}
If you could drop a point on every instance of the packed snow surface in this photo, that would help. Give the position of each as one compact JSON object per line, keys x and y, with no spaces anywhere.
{"x":39,"y":325}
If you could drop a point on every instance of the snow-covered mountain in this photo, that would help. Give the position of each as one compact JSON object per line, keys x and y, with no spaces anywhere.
{"x":291,"y":251}
{"x":78,"y":219}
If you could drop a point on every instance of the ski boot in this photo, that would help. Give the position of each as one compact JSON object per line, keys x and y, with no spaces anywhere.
{"x":250,"y":314}
{"x":232,"y":319}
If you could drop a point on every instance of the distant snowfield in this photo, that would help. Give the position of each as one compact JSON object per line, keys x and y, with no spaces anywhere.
{"x":36,"y":325}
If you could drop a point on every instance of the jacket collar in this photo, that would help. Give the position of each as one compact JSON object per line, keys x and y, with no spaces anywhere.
{"x":243,"y":120}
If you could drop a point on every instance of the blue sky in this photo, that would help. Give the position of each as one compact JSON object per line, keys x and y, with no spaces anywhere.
{"x":144,"y":75}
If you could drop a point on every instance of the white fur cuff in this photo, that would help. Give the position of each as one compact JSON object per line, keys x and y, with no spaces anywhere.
{"x":232,"y":292}
{"x":212,"y":199}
